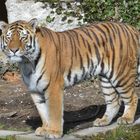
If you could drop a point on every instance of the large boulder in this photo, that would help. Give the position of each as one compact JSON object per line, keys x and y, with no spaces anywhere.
{"x":26,"y":10}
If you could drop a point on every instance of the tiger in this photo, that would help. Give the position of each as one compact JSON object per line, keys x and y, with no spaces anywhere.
{"x":51,"y":61}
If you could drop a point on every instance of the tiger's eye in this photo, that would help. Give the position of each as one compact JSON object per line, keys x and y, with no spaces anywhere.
{"x":23,"y":34}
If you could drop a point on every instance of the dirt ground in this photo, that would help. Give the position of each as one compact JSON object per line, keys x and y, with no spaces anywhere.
{"x":82,"y":104}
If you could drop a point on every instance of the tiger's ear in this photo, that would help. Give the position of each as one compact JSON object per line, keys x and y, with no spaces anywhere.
{"x":3,"y":25}
{"x":33,"y":22}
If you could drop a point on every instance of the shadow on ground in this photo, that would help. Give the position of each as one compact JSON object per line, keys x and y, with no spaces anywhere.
{"x":80,"y":119}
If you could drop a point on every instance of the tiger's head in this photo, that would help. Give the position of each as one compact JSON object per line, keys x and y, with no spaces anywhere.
{"x":18,"y":40}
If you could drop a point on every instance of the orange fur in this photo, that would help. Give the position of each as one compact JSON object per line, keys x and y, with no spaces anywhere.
{"x":51,"y":61}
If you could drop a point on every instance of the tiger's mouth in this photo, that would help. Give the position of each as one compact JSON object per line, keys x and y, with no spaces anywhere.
{"x":15,"y":58}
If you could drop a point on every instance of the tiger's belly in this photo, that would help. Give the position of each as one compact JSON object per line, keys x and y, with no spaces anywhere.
{"x":77,"y":75}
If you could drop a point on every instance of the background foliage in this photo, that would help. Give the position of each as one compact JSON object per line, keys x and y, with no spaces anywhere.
{"x":127,"y":11}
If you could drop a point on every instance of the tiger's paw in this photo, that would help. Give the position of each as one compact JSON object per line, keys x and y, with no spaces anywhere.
{"x":125,"y":120}
{"x":101,"y":122}
{"x":42,"y":131}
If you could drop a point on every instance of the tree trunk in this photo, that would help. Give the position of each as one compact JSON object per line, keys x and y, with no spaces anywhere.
{"x":3,"y":11}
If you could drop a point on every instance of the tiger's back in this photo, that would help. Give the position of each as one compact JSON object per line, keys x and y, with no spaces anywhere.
{"x":50,"y":61}
{"x":104,"y":49}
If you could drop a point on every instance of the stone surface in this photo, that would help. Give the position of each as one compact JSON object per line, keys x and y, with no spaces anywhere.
{"x":33,"y":137}
{"x":26,"y":10}
{"x":74,"y":136}
{"x":29,"y":137}
{"x":95,"y":130}
{"x":5,"y":133}
{"x":137,"y":121}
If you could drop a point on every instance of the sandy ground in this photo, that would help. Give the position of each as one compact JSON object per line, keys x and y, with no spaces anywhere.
{"x":82,"y":104}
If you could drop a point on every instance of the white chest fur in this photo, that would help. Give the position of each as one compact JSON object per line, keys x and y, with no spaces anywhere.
{"x":33,"y":77}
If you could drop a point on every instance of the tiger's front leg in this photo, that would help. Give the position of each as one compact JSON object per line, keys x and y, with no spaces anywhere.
{"x":51,"y":112}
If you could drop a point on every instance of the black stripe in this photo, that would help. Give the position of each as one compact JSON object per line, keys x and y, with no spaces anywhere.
{"x":101,"y":30}
{"x":91,"y":67}
{"x":31,"y":41}
{"x":73,"y":45}
{"x":129,"y":97}
{"x":127,"y":33}
{"x":46,"y":87}
{"x":40,"y":77}
{"x":114,"y":26}
{"x":124,"y":31}
{"x":75,"y":79}
{"x":109,"y":94}
{"x":120,"y":39}
{"x":112,"y":29}
{"x":42,"y":32}
{"x":126,"y":90}
{"x":89,"y":48}
{"x":43,"y":100}
{"x":83,"y":72}
{"x":103,"y":42}
{"x":96,"y":38}
{"x":37,"y":30}
{"x":38,"y":58}
{"x":106,"y":27}
{"x":121,"y":52}
{"x":121,"y":86}
{"x":113,"y":58}
{"x":94,"y":70}
{"x":97,"y":53}
{"x":34,"y":43}
{"x":69,"y":76}
{"x":49,"y":32}
{"x":88,"y":60}
{"x":75,"y":36}
{"x":83,"y":40}
{"x":81,"y":60}
{"x":102,"y":66}
{"x":112,"y":100}
{"x":128,"y":79}
{"x":87,"y":32}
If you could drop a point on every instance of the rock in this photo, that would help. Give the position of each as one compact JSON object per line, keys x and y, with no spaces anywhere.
{"x":26,"y":10}
{"x":7,"y":115}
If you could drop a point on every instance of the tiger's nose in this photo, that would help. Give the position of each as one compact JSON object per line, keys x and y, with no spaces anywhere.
{"x":14,"y":50}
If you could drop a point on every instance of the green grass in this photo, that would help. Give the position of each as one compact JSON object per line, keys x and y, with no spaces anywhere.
{"x":8,"y":138}
{"x":120,"y":133}
{"x":3,"y":126}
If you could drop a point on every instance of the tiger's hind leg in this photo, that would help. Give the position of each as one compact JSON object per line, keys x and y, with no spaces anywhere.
{"x":112,"y":103}
{"x":130,"y":100}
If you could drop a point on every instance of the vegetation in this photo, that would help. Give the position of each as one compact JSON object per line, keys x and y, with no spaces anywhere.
{"x":8,"y":138}
{"x":127,"y":11}
{"x":119,"y":10}
{"x":120,"y":133}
